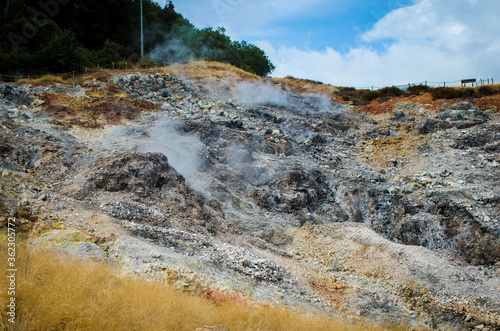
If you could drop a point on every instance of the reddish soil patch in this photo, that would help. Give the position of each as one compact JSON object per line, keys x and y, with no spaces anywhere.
{"x":94,"y":112}
{"x":488,"y":103}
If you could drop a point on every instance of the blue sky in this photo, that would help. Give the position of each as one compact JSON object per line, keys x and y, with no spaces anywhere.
{"x":363,"y":42}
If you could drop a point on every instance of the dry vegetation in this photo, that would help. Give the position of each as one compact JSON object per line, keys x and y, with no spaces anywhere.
{"x":307,"y":86}
{"x":44,"y":80}
{"x":204,"y":71}
{"x":59,"y":293}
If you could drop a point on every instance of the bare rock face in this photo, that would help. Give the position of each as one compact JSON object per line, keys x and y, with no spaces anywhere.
{"x":461,"y":115}
{"x":289,"y":197}
{"x":142,"y":174}
{"x":142,"y":187}
{"x":436,"y":220}
{"x":16,"y":95}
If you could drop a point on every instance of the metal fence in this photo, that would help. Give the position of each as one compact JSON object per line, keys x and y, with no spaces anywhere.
{"x":455,"y":83}
{"x":147,"y":65}
{"x":72,"y":74}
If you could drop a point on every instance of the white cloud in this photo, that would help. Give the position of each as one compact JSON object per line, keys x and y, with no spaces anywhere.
{"x":247,"y":19}
{"x":431,"y":40}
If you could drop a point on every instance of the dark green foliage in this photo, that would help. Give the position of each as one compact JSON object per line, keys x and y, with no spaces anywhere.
{"x":445,"y":93}
{"x":418,"y":89}
{"x":390,"y":92}
{"x":484,"y":91}
{"x":351,"y":94}
{"x":467,"y":92}
{"x":249,"y":58}
{"x":61,"y":52}
{"x":369,"y":96}
{"x":91,"y":32}
{"x":109,"y":53}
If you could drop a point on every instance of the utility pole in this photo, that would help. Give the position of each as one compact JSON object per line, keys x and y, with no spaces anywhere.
{"x":6,"y":8}
{"x":142,"y":34}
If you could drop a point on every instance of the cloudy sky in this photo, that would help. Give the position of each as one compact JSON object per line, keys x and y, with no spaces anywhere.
{"x":363,"y":43}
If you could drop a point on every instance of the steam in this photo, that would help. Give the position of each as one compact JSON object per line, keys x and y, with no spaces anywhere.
{"x":254,"y":93}
{"x":173,"y":51}
{"x":183,"y":150}
{"x":266,"y":93}
{"x":318,"y":103}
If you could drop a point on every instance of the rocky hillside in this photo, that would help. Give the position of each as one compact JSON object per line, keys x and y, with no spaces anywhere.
{"x":205,"y":176}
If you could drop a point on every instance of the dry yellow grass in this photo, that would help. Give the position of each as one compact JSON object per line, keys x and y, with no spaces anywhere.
{"x":41,"y":80}
{"x":205,"y":71}
{"x":307,"y":86}
{"x":54,"y":292}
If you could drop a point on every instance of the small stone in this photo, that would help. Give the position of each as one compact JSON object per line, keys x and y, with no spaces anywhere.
{"x":165,"y":93}
{"x":33,"y":218}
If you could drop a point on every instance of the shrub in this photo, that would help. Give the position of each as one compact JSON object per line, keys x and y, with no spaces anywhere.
{"x":124,"y":64}
{"x":392,"y":91}
{"x":445,"y":93}
{"x":369,"y":96}
{"x":351,"y":94}
{"x":484,"y":91}
{"x":467,"y":92}
{"x":418,"y":89}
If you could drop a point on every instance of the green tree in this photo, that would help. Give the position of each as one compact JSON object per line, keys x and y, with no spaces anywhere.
{"x":95,"y":32}
{"x":109,"y":53}
{"x":61,"y":52}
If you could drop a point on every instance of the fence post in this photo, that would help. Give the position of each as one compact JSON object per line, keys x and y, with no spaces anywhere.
{"x":491,"y":80}
{"x":73,"y":74}
{"x":97,"y":67}
{"x":126,"y":65}
{"x":444,"y":84}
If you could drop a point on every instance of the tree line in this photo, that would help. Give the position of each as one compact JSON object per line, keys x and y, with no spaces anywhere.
{"x":42,"y":36}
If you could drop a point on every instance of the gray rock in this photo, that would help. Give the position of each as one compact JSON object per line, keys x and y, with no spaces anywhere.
{"x":15,"y":95}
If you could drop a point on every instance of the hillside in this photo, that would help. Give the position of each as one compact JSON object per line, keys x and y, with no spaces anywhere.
{"x":287,"y":192}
